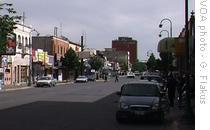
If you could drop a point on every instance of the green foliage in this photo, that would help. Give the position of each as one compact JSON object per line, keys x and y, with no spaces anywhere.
{"x":7,"y":23}
{"x":123,"y":65}
{"x":151,"y":63}
{"x":158,"y":64}
{"x":96,"y":63}
{"x":71,"y":60}
{"x":166,"y":61}
{"x":139,"y":66}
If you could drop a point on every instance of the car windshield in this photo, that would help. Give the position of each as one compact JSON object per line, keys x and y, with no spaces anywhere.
{"x":81,"y":77}
{"x":140,"y":90}
{"x":156,"y":78}
{"x":45,"y":78}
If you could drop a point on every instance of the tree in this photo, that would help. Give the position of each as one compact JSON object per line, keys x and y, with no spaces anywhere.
{"x":166,"y":61}
{"x":158,"y":64}
{"x":151,"y":63}
{"x":123,"y":64}
{"x":70,"y":60}
{"x":139,"y":66}
{"x":7,"y":23}
{"x":96,"y":63}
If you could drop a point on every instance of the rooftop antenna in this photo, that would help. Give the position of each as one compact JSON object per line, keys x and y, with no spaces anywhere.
{"x":23,"y":22}
{"x":85,"y":37}
{"x":55,"y":31}
{"x":61,"y":29}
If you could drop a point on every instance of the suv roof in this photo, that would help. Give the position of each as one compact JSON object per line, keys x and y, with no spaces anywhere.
{"x":142,"y":82}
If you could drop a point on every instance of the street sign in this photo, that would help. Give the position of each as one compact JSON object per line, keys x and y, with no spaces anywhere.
{"x":1,"y":70}
{"x":93,"y":70}
{"x":8,"y":44}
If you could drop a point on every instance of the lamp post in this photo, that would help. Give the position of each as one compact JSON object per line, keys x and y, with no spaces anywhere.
{"x":166,"y":19}
{"x":160,"y":26}
{"x":160,"y":34}
{"x":30,"y":56}
{"x":149,"y":52}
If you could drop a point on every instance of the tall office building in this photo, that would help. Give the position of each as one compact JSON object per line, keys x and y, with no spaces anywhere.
{"x":126,"y":44}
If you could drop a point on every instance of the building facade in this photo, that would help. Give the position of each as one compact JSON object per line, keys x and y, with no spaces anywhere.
{"x":57,"y":47}
{"x":117,"y":58}
{"x":16,"y":67}
{"x":126,"y":44}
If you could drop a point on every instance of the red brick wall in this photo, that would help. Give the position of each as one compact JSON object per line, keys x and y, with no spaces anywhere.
{"x":60,"y":48}
{"x":126,"y":46}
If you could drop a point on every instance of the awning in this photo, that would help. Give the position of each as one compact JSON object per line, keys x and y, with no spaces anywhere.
{"x":172,"y":45}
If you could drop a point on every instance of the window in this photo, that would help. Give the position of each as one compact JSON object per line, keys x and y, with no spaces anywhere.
{"x":140,"y":90}
{"x":19,"y":42}
{"x":22,"y":41}
{"x":26,"y":42}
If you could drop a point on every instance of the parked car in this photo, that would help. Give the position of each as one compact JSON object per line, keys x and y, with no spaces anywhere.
{"x":46,"y":81}
{"x":91,"y":77}
{"x":157,"y":79}
{"x":139,"y":99}
{"x":130,"y":75}
{"x":82,"y":79}
{"x":137,"y":73}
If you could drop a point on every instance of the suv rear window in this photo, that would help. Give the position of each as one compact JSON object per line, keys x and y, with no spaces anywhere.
{"x":140,"y":90}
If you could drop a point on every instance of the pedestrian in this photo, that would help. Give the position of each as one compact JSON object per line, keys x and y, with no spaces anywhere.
{"x":116,"y":77}
{"x":105,"y":77}
{"x":180,"y":86}
{"x":171,"y":85}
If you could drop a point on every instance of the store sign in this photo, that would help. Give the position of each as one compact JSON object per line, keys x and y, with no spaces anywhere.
{"x":1,"y":70}
{"x":172,"y":45}
{"x":8,"y":44}
{"x":43,"y":57}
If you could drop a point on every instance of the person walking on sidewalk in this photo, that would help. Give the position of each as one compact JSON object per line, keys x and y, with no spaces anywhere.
{"x":180,"y":87}
{"x":116,"y":78}
{"x":105,"y":78}
{"x":171,"y":84}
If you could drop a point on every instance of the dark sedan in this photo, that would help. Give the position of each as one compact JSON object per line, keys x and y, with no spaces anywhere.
{"x":139,"y":99}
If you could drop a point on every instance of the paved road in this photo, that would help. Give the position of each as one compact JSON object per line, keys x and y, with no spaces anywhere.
{"x":79,"y":106}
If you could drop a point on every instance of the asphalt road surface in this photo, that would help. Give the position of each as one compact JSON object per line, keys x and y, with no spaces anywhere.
{"x":77,"y":106}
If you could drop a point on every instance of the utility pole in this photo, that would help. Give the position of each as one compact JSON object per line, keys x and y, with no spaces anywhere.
{"x":82,"y":48}
{"x":188,"y":111}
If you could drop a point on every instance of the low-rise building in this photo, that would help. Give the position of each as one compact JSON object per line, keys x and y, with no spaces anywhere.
{"x":56,"y":47}
{"x":16,"y":67}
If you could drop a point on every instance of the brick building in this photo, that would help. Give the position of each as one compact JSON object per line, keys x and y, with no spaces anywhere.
{"x":56,"y":47}
{"x":126,"y":44}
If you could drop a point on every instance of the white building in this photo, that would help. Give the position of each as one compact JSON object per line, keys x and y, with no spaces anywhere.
{"x":18,"y":65}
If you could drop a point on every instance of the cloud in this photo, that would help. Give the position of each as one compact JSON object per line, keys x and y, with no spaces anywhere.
{"x":105,"y":20}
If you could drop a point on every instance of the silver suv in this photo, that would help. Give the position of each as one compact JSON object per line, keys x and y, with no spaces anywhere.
{"x":139,"y":99}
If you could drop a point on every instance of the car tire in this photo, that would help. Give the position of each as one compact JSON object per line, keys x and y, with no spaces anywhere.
{"x":119,"y":118}
{"x":161,"y":117}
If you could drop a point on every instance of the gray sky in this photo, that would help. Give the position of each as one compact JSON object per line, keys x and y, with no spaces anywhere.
{"x":105,"y":20}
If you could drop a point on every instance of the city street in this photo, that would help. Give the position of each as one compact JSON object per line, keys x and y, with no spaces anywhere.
{"x":77,"y":106}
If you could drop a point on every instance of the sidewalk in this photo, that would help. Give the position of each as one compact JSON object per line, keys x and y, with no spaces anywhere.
{"x":17,"y":87}
{"x":25,"y":86}
{"x":180,"y":122}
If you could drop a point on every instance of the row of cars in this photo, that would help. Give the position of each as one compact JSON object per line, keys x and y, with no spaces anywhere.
{"x":143,"y":98}
{"x":51,"y":82}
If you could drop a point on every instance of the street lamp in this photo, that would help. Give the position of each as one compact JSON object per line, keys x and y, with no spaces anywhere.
{"x":30,"y":56}
{"x":160,"y":34}
{"x":149,"y":52}
{"x":166,"y":19}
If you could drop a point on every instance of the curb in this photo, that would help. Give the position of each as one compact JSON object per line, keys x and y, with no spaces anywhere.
{"x":65,"y":83}
{"x":13,"y":89}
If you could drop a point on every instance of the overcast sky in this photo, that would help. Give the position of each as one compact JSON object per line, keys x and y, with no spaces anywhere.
{"x":104,"y":20}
